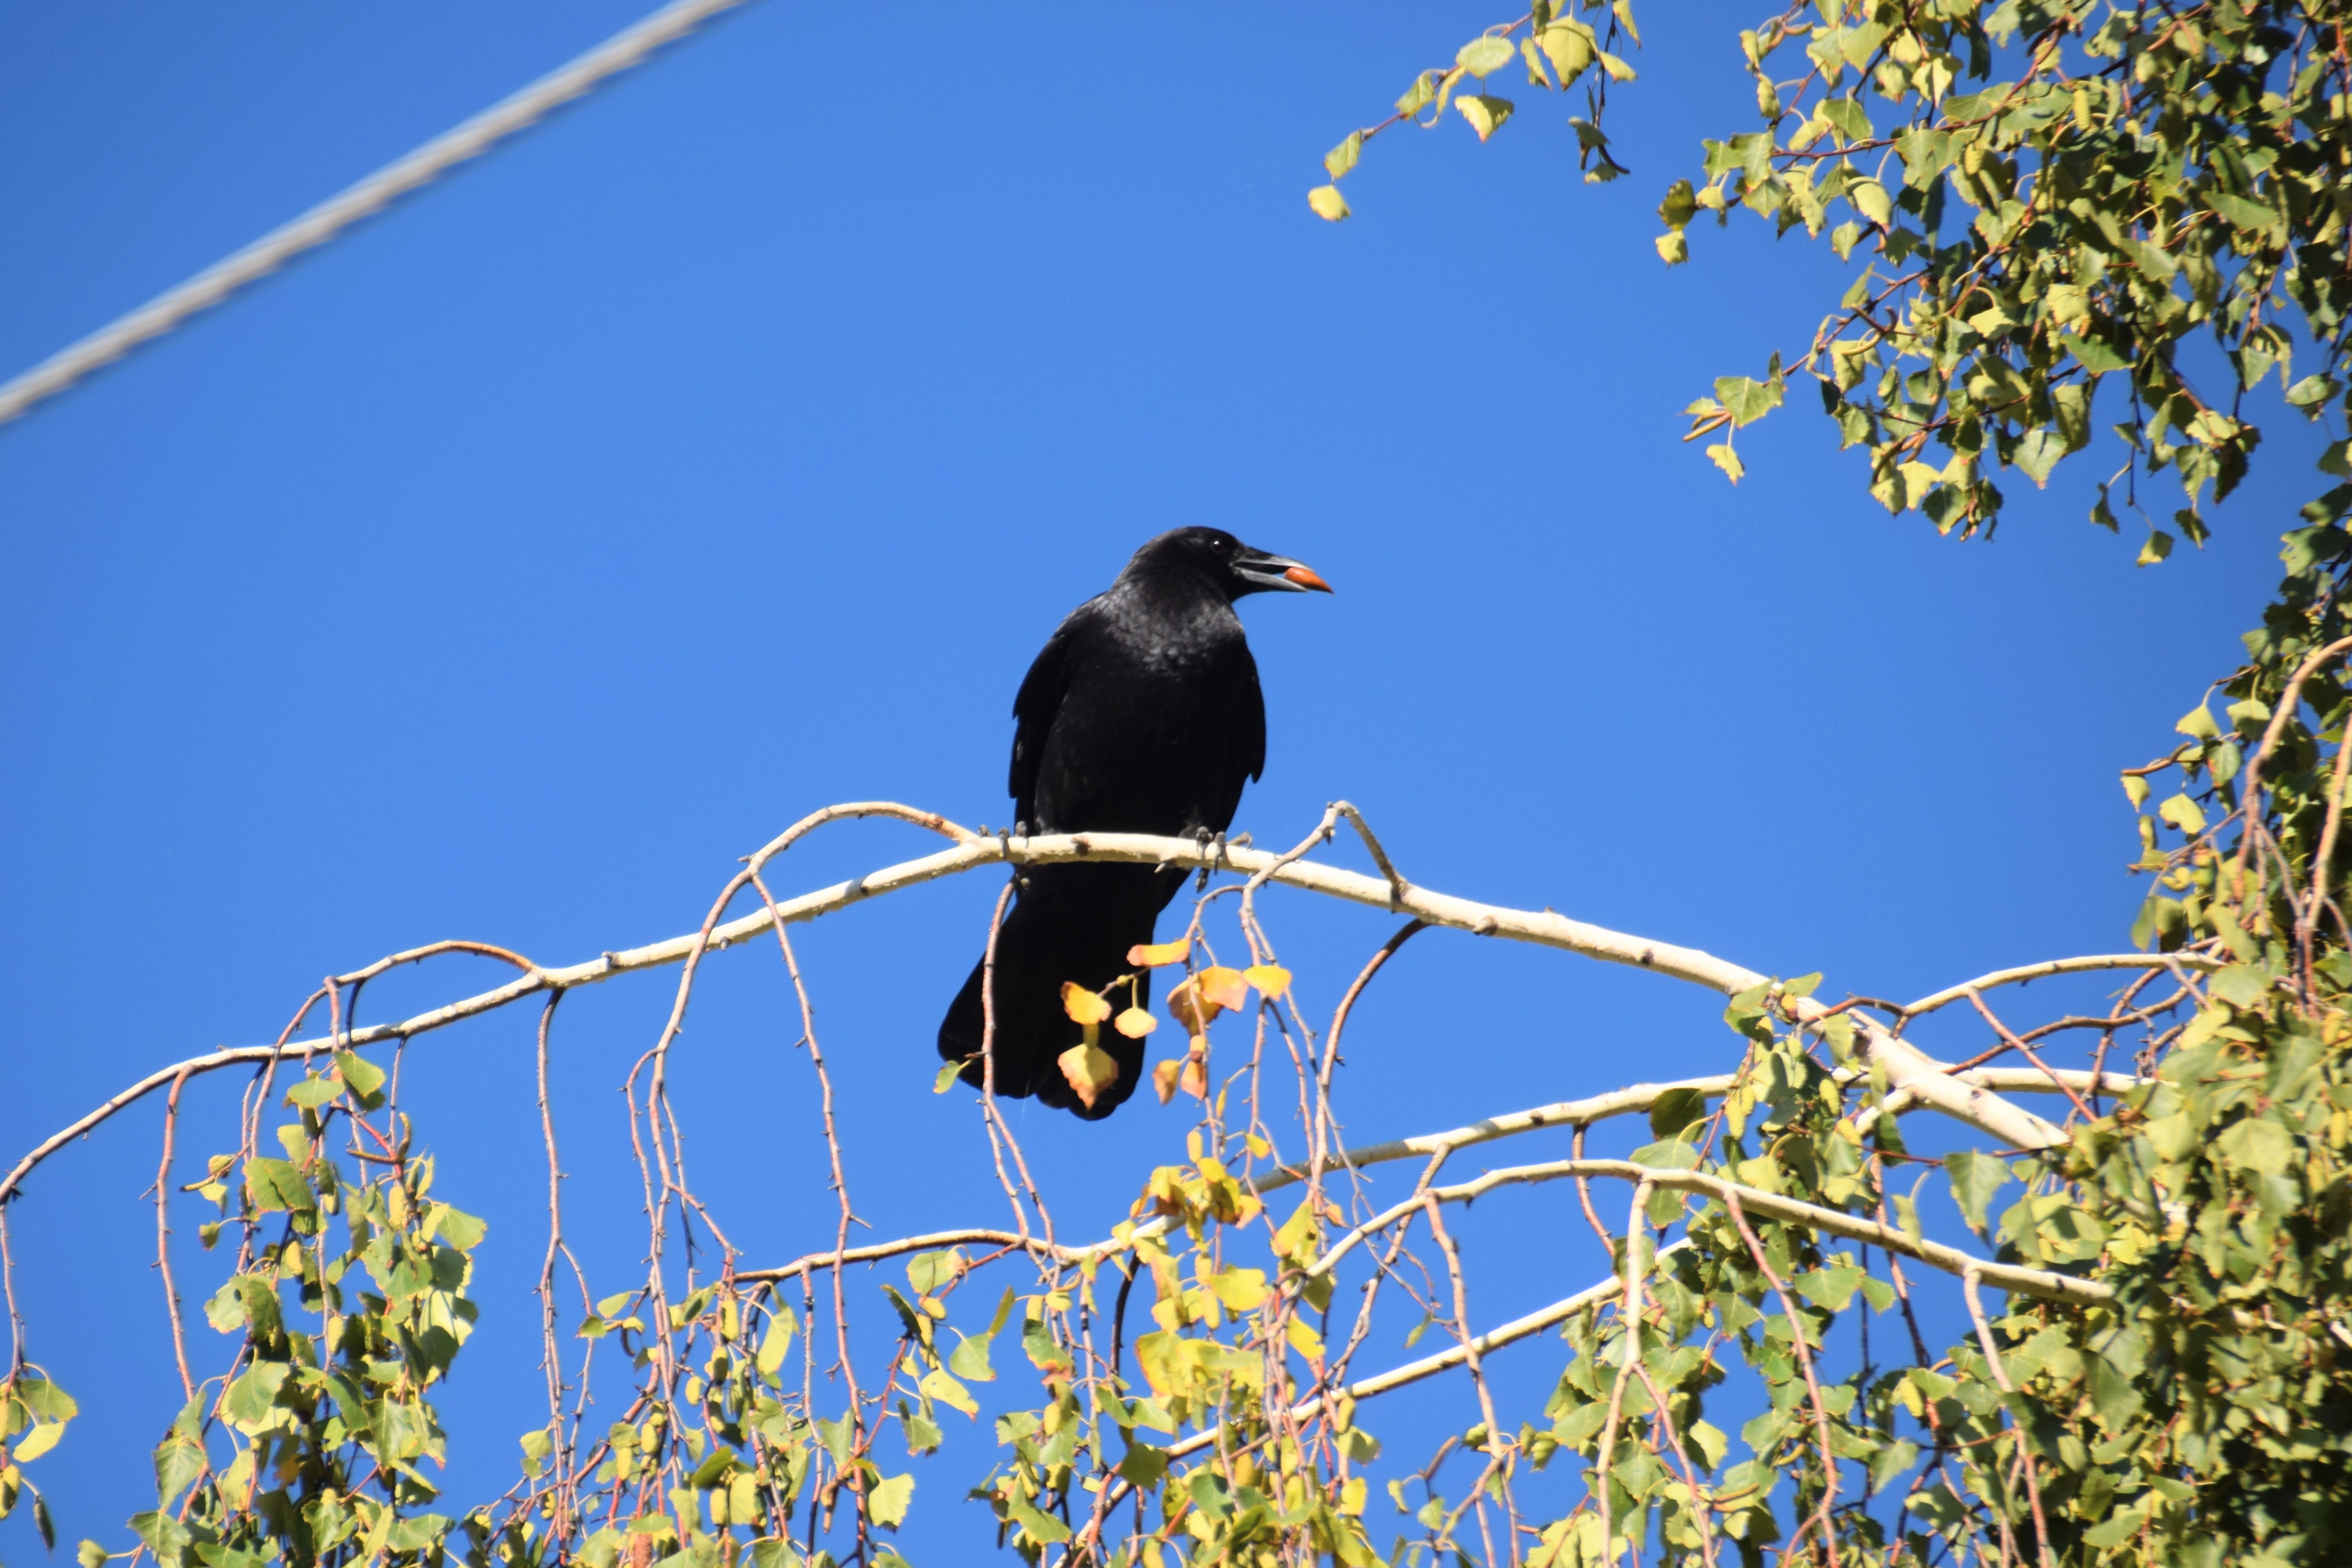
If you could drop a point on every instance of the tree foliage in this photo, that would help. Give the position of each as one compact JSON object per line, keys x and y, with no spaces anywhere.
{"x":2156,"y":1365}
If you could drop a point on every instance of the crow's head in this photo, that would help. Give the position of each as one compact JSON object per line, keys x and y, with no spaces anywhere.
{"x":1234,"y":567}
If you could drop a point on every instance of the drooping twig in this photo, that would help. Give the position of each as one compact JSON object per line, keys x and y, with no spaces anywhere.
{"x":1812,"y":1381}
{"x":164,"y":1239}
{"x":2019,"y":976}
{"x":2000,"y":1377}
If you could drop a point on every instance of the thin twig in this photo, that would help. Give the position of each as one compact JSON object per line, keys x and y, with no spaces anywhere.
{"x":1812,"y":1382}
{"x":164,"y":1239}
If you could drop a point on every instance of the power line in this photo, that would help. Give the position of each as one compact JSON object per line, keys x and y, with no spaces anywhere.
{"x":330,"y":217}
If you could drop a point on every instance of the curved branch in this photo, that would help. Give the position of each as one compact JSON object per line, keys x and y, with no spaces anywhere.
{"x":1640,"y":1096}
{"x":2043,"y":1283}
{"x":976,"y":1237}
{"x":2023,"y":973}
{"x":1908,"y":1068}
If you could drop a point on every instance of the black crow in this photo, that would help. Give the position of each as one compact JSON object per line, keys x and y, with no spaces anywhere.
{"x":1142,"y":715}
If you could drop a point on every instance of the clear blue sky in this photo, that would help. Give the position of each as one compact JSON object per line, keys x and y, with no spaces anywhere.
{"x":727,"y":446}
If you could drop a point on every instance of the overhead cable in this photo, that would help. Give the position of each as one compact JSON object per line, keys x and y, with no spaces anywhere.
{"x":330,"y":217}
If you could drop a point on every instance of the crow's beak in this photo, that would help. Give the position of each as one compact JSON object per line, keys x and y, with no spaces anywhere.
{"x":1278,"y":572}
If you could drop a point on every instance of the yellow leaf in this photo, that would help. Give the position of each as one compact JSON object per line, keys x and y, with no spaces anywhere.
{"x":2184,"y":813}
{"x":1239,"y":1288}
{"x":1082,"y":1004}
{"x":1618,"y":70}
{"x":1327,"y":203}
{"x":1917,"y":479}
{"x":1482,"y":56}
{"x":1304,"y":1339}
{"x":1159,"y":954}
{"x":1135,"y":1023}
{"x":1194,"y":1079}
{"x":39,"y":1441}
{"x":1164,"y":1078}
{"x":1299,"y":1237}
{"x":947,"y":1391}
{"x":1569,"y":47}
{"x":1223,"y":987}
{"x":1674,"y":249}
{"x":1191,"y":1003}
{"x":1727,"y":460}
{"x":1351,"y":1496}
{"x":1089,"y":1070}
{"x":1270,"y":979}
{"x":1484,"y":112}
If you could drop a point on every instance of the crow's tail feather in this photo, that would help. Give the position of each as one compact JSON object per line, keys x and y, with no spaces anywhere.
{"x":1069,"y":923}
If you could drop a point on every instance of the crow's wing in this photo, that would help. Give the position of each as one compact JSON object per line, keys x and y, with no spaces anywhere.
{"x":1248,"y":739}
{"x":1034,"y":708}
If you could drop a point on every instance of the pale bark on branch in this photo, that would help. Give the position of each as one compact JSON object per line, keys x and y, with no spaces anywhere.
{"x":1908,"y":1071}
{"x":2047,"y":1284}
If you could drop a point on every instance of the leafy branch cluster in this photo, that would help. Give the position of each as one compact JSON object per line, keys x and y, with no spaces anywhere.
{"x":1222,"y":1418}
{"x":2113,"y":182}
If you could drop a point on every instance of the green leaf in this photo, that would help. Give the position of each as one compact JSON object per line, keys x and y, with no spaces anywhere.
{"x":455,"y":1227}
{"x":1484,"y":112}
{"x":1569,"y":47}
{"x":1975,"y":1179}
{"x":1483,"y":57}
{"x":1891,"y":1461}
{"x":536,"y":1446}
{"x":1851,"y":118}
{"x":2158,"y":546}
{"x":970,"y":1358}
{"x":945,"y":1079}
{"x":89,"y":1554}
{"x":2242,"y":985}
{"x":1747,"y":400}
{"x":1675,"y":1109}
{"x":1042,"y":1528}
{"x":361,"y":1077}
{"x":1670,"y":1154}
{"x":314,"y":1091}
{"x":838,"y":1437}
{"x":926,"y":1271}
{"x":2184,"y":813}
{"x":1832,"y":1286}
{"x":1143,"y":1465}
{"x":2037,"y":452}
{"x":179,"y":1460}
{"x":2256,"y":1143}
{"x":45,"y":1399}
{"x":885,"y":1501}
{"x":1342,"y":158}
{"x":276,"y":1185}
{"x":246,"y":1403}
{"x":2310,"y":391}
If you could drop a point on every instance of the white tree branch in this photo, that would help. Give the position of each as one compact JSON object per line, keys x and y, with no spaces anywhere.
{"x":1908,"y":1069}
{"x":2043,"y":1283}
{"x":2084,"y":965}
